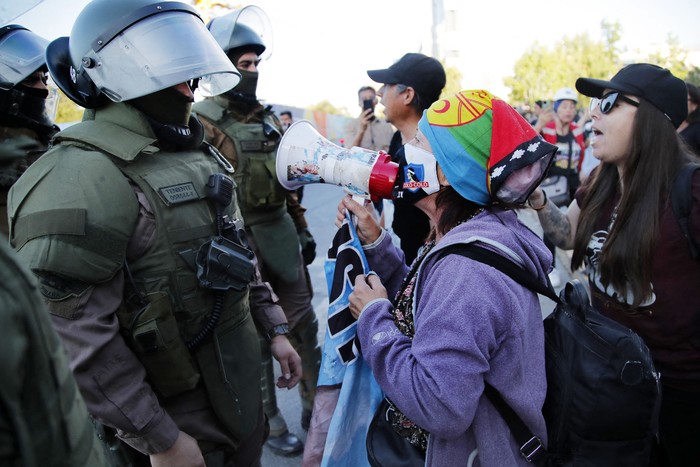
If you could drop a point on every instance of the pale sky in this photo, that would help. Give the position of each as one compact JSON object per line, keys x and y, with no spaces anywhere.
{"x":323,"y":48}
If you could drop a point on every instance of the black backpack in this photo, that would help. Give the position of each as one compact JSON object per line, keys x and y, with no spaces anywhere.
{"x":603,"y":392}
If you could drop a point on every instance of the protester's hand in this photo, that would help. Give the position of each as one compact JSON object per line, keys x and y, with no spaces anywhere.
{"x":585,"y":117}
{"x":367,"y":288}
{"x":546,"y":116}
{"x":368,"y":230}
{"x":184,"y":453}
{"x":366,"y":117}
{"x":308,"y":246}
{"x":537,"y":198}
{"x":289,"y":360}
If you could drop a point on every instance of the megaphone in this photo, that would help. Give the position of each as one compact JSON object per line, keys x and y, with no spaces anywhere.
{"x":305,"y":157}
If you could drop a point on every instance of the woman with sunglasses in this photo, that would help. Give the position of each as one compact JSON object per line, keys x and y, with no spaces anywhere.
{"x":622,"y":229}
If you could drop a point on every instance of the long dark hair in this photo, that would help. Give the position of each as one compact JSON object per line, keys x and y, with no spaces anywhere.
{"x":654,"y":157}
{"x":455,"y":209}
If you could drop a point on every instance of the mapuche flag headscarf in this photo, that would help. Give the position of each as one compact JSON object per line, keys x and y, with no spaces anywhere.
{"x":486,"y":149}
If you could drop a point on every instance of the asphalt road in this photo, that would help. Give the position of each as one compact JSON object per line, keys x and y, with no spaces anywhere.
{"x":321,"y":202}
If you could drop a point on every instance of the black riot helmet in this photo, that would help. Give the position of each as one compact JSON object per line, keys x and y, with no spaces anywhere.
{"x":22,"y":103}
{"x":21,"y":54}
{"x":244,"y":29}
{"x":121,"y":50}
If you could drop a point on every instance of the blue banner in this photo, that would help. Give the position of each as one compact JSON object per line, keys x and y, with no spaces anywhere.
{"x":340,"y":362}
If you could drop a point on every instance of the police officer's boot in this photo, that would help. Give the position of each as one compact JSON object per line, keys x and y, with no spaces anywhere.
{"x":281,"y":441}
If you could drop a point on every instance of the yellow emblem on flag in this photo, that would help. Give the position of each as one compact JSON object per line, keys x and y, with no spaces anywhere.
{"x":461,"y":108}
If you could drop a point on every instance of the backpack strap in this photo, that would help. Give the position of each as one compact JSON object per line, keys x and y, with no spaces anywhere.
{"x":531,"y":446}
{"x":681,"y":201}
{"x":503,"y":264}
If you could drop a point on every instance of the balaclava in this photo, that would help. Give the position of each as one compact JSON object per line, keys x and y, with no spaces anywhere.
{"x":169,"y":113}
{"x":245,"y":91}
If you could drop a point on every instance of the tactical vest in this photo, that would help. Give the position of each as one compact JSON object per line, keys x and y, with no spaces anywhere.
{"x":43,"y":418}
{"x":168,"y":307}
{"x":262,"y":198}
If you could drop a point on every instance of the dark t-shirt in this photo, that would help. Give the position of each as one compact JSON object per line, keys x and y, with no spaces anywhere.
{"x":669,"y":322}
{"x":410,"y":224}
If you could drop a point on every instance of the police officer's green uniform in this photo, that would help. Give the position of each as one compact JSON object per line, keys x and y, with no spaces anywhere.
{"x":43,"y":419}
{"x":22,"y":104}
{"x":272,"y":231}
{"x":73,"y":215}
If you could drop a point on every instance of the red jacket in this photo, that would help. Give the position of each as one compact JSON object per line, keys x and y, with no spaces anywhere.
{"x":549,"y":133}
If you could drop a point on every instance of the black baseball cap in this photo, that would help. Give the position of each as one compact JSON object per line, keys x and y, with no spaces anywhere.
{"x":424,"y":74}
{"x":650,"y":82}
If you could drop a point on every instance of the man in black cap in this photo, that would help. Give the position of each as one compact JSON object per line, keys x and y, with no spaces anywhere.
{"x":409,"y":86}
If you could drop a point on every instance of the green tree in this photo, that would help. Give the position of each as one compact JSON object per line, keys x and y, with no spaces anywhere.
{"x":694,"y":76}
{"x":454,"y":81}
{"x":327,"y":107}
{"x":542,"y":70}
{"x":68,"y":111}
{"x":674,"y":57}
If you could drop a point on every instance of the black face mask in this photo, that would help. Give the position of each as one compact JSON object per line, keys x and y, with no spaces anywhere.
{"x":167,"y":106}
{"x":248,"y":86}
{"x":25,"y":106}
{"x":406,"y":175}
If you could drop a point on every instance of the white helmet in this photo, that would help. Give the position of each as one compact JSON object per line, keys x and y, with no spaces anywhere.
{"x":566,"y":94}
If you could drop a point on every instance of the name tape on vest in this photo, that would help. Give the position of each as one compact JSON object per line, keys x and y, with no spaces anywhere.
{"x":178,"y":194}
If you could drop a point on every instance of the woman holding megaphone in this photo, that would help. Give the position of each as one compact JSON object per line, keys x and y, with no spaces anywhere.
{"x":435,"y":332}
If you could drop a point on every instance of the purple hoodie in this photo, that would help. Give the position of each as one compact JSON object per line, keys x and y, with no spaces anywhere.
{"x":473,"y":324}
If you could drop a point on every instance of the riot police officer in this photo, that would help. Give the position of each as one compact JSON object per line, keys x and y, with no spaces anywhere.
{"x":23,"y":102}
{"x":248,"y":133}
{"x":43,"y":419}
{"x":132,"y":226}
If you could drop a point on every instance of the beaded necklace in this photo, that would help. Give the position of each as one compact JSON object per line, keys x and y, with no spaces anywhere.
{"x":403,"y":301}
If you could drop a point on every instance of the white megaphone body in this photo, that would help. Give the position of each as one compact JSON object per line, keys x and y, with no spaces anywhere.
{"x":305,"y":157}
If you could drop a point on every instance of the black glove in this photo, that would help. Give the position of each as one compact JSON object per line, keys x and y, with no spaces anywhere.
{"x":308,"y":246}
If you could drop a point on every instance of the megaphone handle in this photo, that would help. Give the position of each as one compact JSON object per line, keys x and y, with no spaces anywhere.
{"x":359,"y":200}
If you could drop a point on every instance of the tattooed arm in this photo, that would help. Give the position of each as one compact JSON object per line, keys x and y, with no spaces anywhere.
{"x":559,"y":226}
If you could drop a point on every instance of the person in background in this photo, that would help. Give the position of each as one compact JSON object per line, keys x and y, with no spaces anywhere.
{"x":690,"y":128}
{"x":286,"y":119}
{"x":131,"y":225}
{"x":568,"y":137}
{"x":408,"y":88}
{"x":537,"y":109}
{"x":23,"y":103}
{"x":434,"y":347}
{"x":247,"y":133}
{"x":369,"y":132}
{"x":622,"y":228}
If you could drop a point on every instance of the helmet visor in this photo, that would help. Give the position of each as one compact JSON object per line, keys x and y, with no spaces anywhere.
{"x":223,"y":28}
{"x":158,"y":52}
{"x":21,"y":54}
{"x":11,"y":10}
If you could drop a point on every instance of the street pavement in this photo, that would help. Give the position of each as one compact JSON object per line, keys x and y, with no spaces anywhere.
{"x":321,"y":202}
